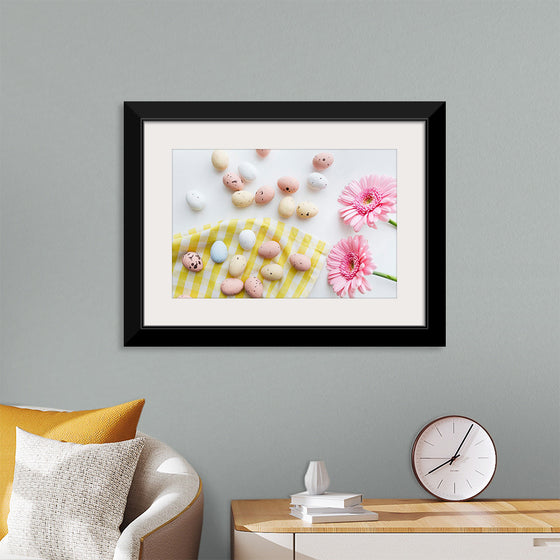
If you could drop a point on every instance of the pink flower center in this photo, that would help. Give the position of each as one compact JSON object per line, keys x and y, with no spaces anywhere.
{"x":368,"y":200}
{"x":350,"y":267}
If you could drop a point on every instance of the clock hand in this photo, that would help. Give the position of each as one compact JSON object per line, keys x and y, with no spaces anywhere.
{"x":439,"y":467}
{"x":461,"y":445}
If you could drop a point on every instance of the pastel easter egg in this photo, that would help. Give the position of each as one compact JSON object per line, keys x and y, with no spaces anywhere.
{"x":218,"y":252}
{"x":317,"y":182}
{"x":288,"y":184}
{"x":183,"y":296}
{"x":306,"y":210}
{"x":272,"y":272}
{"x":247,"y":171}
{"x":269,"y":249}
{"x":247,"y":239}
{"x":300,"y":262}
{"x":231,"y":286}
{"x":193,"y":261}
{"x":263,"y":153}
{"x":233,"y":181}
{"x":264,"y":195}
{"x":195,"y":200}
{"x":287,"y":207}
{"x":254,"y":287}
{"x":323,"y":161}
{"x":237,"y":265}
{"x":220,"y":159}
{"x":242,"y":199}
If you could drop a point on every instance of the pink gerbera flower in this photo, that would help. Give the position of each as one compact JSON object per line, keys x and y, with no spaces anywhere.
{"x":348,"y":264}
{"x":367,"y":200}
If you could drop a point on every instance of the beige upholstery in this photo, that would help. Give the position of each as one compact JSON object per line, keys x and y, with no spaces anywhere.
{"x":163,"y":517}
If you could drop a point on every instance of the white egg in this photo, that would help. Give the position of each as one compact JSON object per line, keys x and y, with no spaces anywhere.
{"x":195,"y":200}
{"x":247,"y":239}
{"x":247,"y":171}
{"x":317,"y":181}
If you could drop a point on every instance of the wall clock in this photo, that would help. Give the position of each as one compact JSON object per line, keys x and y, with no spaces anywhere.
{"x":454,"y":458}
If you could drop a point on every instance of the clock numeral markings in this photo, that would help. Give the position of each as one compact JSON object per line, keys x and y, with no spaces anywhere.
{"x":454,"y":489}
{"x":482,"y":474}
{"x":429,"y":443}
{"x":479,"y":442}
{"x":438,"y":432}
{"x":483,"y":457}
{"x":453,"y":426}
{"x":468,"y":482}
{"x":440,"y":483}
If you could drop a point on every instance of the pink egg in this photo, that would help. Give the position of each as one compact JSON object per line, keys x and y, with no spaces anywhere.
{"x":263,"y":153}
{"x":269,"y":249}
{"x":231,"y":286}
{"x":264,"y":195}
{"x":288,"y":184}
{"x":193,"y":261}
{"x":300,"y":262}
{"x":323,"y":161}
{"x":254,"y":287}
{"x":233,"y":182}
{"x":184,"y":297}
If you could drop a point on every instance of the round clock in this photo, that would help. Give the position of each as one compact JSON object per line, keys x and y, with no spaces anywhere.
{"x":454,"y":458}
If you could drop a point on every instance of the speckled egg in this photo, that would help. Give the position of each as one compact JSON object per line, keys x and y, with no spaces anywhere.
{"x":323,"y":161}
{"x":193,"y":261}
{"x":272,"y":272}
{"x":300,"y":262}
{"x":242,"y":199}
{"x":183,"y":296}
{"x":233,"y":181}
{"x":237,"y":265}
{"x":263,"y":153}
{"x":269,"y":249}
{"x":317,"y":182}
{"x":195,"y":200}
{"x":247,"y":171}
{"x":264,"y":195}
{"x":247,"y":239}
{"x":288,"y":185}
{"x":306,"y":210}
{"x":254,"y":287}
{"x":287,"y":207}
{"x":218,"y":252}
{"x":231,"y":286}
{"x":220,"y":159}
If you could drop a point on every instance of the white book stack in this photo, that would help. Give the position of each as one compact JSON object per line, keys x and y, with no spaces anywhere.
{"x":329,"y":507}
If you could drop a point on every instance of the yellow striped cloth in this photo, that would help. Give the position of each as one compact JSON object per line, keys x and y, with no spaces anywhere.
{"x":206,"y":284}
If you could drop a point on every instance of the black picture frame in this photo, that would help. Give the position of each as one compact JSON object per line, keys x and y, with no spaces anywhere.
{"x":432,"y":113}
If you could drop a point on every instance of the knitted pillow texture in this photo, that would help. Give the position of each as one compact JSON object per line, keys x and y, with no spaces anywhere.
{"x":68,"y":499}
{"x":102,"y":425}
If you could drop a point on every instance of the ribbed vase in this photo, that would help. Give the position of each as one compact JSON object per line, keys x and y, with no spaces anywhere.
{"x":316,"y":478}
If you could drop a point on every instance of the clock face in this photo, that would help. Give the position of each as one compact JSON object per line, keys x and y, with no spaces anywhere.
{"x":454,"y":458}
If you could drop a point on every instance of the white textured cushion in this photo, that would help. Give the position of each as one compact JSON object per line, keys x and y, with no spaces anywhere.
{"x":68,"y":499}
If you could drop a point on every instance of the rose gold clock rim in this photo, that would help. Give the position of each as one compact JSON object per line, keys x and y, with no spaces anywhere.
{"x":431,"y":424}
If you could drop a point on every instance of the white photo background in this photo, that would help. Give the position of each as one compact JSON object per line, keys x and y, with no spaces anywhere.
{"x":192,"y":170}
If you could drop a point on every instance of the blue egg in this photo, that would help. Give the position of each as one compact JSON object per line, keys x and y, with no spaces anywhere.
{"x":218,"y":252}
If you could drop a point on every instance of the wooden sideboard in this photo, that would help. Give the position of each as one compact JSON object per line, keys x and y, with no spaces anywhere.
{"x":406,"y":529}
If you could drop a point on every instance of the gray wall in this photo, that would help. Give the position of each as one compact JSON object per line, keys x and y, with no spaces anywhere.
{"x":249,"y":419}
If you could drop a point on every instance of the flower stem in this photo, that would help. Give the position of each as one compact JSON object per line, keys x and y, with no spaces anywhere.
{"x":383,"y":275}
{"x":393,"y":223}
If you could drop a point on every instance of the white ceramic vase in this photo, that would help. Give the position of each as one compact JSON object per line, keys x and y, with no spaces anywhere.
{"x":316,"y":478}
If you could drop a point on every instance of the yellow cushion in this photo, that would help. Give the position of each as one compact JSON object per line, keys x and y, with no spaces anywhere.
{"x":103,"y":425}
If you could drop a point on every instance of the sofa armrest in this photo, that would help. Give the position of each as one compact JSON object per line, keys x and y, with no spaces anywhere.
{"x":160,"y":532}
{"x":163,"y":517}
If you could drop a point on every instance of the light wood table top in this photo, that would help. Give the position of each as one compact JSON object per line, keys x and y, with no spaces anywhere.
{"x":409,"y":516}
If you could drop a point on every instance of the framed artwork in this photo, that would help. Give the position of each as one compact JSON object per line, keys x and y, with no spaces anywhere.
{"x":284,"y":223}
